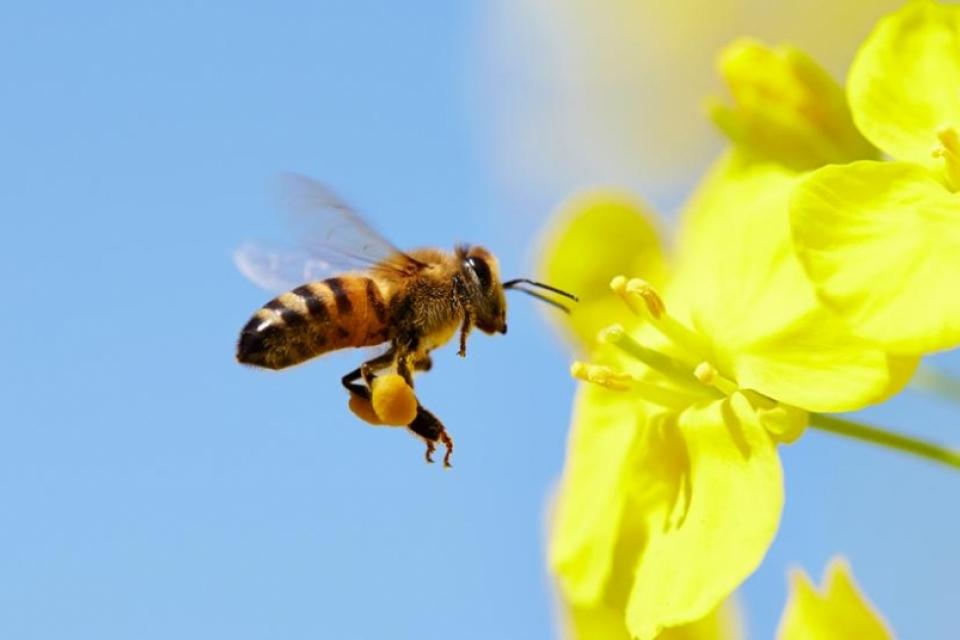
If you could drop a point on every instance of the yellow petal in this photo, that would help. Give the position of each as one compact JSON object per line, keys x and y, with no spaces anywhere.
{"x":881,"y":243}
{"x":740,"y":283}
{"x":607,"y":623}
{"x":720,"y":526}
{"x":594,"y":237}
{"x":393,"y":400}
{"x":787,"y":108}
{"x":841,"y":612}
{"x":904,"y":83}
{"x":605,"y":430}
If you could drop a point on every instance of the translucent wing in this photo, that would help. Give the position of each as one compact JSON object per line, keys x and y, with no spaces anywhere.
{"x":278,"y":268}
{"x":332,"y":238}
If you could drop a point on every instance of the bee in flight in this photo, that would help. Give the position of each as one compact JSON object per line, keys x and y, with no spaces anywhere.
{"x":411,"y":301}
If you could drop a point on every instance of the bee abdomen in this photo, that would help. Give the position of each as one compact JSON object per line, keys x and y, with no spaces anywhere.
{"x":313,"y":319}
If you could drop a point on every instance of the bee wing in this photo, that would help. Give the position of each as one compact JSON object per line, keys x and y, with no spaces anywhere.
{"x":334,"y":232}
{"x":277,"y":268}
{"x":332,"y":238}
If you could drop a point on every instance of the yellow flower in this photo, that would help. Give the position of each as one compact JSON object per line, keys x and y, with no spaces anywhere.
{"x":881,"y":240}
{"x":786,"y":108}
{"x":581,"y":91}
{"x":672,"y":490}
{"x":839,"y":611}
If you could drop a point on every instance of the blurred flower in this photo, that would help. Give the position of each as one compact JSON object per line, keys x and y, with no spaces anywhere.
{"x":582,"y":92}
{"x":786,"y":108}
{"x":838,"y":612}
{"x":881,"y":240}
{"x":604,"y":623}
{"x":672,"y":489}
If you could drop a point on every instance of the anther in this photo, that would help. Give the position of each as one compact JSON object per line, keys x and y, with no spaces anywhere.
{"x":706,"y":373}
{"x":638,"y":294}
{"x":635,"y":292}
{"x":710,"y":376}
{"x":601,"y":375}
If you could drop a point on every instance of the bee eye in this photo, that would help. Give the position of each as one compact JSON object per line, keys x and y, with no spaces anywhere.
{"x":482,"y":269}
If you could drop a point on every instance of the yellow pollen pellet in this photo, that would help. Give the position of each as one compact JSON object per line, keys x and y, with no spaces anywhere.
{"x":603,"y":376}
{"x":393,"y":400}
{"x":362,"y":408}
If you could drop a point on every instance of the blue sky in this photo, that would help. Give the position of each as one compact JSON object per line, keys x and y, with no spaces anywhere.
{"x":152,"y":488}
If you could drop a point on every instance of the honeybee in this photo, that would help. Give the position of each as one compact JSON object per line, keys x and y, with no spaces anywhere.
{"x":412,"y":301}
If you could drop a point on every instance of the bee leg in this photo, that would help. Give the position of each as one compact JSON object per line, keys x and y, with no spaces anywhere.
{"x":382,"y":361}
{"x":403,"y":368}
{"x":423,"y":363}
{"x":429,"y":454}
{"x":349,"y":382}
{"x":427,"y":426}
{"x":464,"y":331}
{"x":365,"y":371}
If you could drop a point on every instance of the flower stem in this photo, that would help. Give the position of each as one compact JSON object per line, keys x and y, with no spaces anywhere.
{"x":884,"y":438}
{"x":936,"y":382}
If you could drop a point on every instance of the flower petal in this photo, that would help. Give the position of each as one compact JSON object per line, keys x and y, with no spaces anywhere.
{"x":740,"y":283}
{"x":842,"y":612}
{"x":787,"y":108}
{"x":903,"y":84}
{"x":607,"y":623}
{"x":881,"y":243}
{"x":594,"y":237}
{"x":593,"y":492}
{"x":720,"y":529}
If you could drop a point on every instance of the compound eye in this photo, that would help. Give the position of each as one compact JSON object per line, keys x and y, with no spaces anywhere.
{"x":482,"y":269}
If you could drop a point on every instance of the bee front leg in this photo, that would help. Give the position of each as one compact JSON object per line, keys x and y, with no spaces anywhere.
{"x":423,"y":363}
{"x":427,"y":426}
{"x":464,"y":332}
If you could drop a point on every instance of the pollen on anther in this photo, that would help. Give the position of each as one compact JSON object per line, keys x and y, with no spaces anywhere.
{"x":601,"y":375}
{"x":641,"y":289}
{"x":706,"y":373}
{"x":611,"y":334}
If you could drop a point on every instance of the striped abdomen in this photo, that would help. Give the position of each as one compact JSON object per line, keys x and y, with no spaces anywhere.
{"x":348,"y":311}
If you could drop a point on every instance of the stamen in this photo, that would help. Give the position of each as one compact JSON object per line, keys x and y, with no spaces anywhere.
{"x":603,"y":376}
{"x":949,"y":150}
{"x":676,"y":371}
{"x":638,"y":294}
{"x":710,"y":376}
{"x":636,"y":291}
{"x":618,"y":381}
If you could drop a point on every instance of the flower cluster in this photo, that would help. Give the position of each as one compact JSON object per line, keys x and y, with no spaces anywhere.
{"x":809,"y":276}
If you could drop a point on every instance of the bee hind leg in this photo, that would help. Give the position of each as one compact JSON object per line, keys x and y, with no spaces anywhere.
{"x":431,"y":430}
{"x":366,"y":371}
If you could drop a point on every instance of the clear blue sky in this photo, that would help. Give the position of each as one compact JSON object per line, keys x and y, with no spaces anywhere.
{"x":152,"y":488}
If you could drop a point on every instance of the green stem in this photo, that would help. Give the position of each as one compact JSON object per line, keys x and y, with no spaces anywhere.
{"x":936,"y":382}
{"x":884,"y":438}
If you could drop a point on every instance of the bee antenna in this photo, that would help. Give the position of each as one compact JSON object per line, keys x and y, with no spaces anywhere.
{"x":543,"y":298}
{"x":512,"y":284}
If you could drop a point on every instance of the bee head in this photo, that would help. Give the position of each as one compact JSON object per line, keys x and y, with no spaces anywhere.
{"x":481,"y":275}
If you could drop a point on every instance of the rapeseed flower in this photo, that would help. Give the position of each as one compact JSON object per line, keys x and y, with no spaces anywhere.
{"x":836,"y":611}
{"x":672,"y":490}
{"x":881,"y":240}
